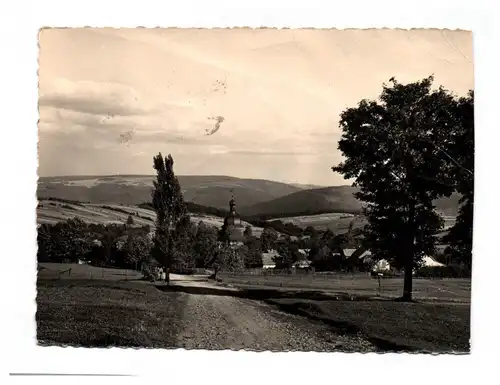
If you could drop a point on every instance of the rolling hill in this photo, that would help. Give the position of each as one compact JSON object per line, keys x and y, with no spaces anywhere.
{"x":313,"y":201}
{"x":335,"y":199}
{"x":212,"y":191}
{"x":254,"y":197}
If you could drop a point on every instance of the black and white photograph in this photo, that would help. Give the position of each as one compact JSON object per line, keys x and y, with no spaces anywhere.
{"x":255,"y":189}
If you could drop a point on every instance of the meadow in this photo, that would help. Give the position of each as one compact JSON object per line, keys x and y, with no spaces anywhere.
{"x":95,"y":307}
{"x":340,"y":222}
{"x":102,"y":307}
{"x":437,"y":321}
{"x":53,"y":211}
{"x":359,"y":284}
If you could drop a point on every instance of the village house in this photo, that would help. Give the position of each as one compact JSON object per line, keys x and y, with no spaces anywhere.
{"x":361,"y":259}
{"x":268,"y":259}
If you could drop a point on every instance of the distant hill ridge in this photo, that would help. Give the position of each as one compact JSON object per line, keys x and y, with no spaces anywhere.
{"x":254,"y":197}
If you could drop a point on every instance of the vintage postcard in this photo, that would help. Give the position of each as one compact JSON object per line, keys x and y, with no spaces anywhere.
{"x":258,"y":189}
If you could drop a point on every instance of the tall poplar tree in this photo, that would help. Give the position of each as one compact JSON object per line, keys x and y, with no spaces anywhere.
{"x":170,"y":208}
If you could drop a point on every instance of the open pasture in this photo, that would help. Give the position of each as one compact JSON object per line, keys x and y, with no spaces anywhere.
{"x":55,"y":211}
{"x":447,"y":290}
{"x":337,"y":222}
{"x":52,"y":211}
{"x":106,"y":311}
{"x":115,"y":309}
{"x":84,"y":271}
{"x":340,"y":222}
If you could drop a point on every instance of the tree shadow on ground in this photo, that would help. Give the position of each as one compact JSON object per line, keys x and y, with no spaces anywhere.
{"x":263,"y":294}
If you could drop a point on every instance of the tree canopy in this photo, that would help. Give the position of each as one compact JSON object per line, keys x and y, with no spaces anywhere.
{"x":394,"y":151}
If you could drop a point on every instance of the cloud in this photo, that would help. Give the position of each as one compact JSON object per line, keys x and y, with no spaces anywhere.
{"x":107,"y":95}
{"x":90,"y":128}
{"x":266,"y":152}
{"x":99,"y":98}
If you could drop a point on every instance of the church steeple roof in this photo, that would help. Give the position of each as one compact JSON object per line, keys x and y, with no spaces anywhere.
{"x":232,"y":204}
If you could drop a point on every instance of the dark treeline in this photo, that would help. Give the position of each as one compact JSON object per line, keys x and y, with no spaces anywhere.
{"x":113,"y":245}
{"x":257,"y":221}
{"x":74,"y":202}
{"x":131,"y":247}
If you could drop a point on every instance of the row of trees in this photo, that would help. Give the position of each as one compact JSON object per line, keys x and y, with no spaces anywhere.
{"x":413,"y":145}
{"x":123,"y":246}
{"x":127,"y":246}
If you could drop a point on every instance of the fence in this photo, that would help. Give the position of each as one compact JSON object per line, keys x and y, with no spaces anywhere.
{"x":68,"y":271}
{"x":299,"y":273}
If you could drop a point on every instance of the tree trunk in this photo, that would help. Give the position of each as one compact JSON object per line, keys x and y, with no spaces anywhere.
{"x":408,"y":279}
{"x":409,"y":255}
{"x":168,"y":260}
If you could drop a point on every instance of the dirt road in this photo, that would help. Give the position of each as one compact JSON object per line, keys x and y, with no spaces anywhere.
{"x":220,"y":321}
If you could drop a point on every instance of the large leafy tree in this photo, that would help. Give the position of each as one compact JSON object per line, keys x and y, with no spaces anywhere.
{"x":66,"y":241}
{"x":288,"y":254}
{"x":268,"y":239}
{"x":461,"y":155}
{"x":137,"y":249}
{"x":391,"y":151}
{"x":184,"y":237}
{"x":252,"y":253}
{"x":169,"y":206}
{"x":225,"y":258}
{"x":224,"y":233}
{"x":205,"y":244}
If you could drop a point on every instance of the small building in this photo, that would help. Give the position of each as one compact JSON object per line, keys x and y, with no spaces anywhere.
{"x":362,"y":257}
{"x":428,"y":261}
{"x":304,"y":253}
{"x":268,"y":259}
{"x":302,"y":264}
{"x":381,"y":266}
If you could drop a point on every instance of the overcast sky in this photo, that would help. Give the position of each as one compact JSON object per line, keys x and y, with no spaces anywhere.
{"x":248,"y":103}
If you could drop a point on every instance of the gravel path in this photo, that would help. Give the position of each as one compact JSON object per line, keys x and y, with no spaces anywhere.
{"x":224,"y":322}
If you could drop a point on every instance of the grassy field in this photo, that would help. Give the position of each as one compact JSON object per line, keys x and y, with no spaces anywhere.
{"x":337,"y":222}
{"x":103,"y":312}
{"x":55,"y":211}
{"x":50,"y":271}
{"x":417,"y":327}
{"x":438,"y":322}
{"x":449,"y":290}
{"x":340,"y":222}
{"x":111,"y":307}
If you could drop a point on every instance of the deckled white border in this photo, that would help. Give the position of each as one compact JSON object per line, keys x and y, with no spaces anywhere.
{"x":18,"y":65}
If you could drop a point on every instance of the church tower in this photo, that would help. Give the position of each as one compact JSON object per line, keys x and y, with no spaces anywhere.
{"x":232,"y":224}
{"x":232,"y":218}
